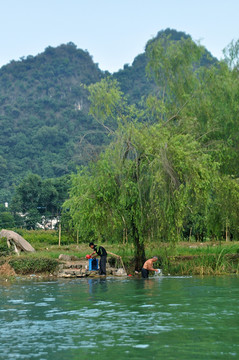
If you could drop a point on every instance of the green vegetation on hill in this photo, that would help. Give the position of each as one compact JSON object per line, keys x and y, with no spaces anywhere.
{"x":45,"y":128}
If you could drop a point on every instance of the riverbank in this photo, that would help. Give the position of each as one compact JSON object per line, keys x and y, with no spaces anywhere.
{"x":207,"y":258}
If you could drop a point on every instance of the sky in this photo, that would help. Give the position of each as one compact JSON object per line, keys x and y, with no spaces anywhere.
{"x":114,"y":32}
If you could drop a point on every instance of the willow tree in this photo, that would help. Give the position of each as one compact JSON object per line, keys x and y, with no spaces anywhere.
{"x":142,"y":188}
{"x":174,"y":66}
{"x":155,"y":177}
{"x":202,"y":102}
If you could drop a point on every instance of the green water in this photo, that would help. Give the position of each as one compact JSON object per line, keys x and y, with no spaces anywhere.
{"x":159,"y":318}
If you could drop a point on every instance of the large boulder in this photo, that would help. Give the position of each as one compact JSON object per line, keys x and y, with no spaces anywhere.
{"x":19,"y":243}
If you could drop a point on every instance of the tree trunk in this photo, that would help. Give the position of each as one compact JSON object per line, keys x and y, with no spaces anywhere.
{"x":59,"y":242}
{"x":139,"y":249}
{"x":227,"y":230}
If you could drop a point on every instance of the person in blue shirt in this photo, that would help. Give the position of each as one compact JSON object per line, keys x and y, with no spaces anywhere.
{"x":99,"y":251}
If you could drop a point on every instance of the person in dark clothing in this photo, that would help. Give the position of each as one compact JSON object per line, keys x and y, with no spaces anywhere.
{"x":99,"y":251}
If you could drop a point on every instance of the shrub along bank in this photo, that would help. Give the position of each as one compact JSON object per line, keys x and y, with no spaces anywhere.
{"x":25,"y":265}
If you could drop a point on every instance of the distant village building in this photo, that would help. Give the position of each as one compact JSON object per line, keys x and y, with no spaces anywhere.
{"x":48,"y":224}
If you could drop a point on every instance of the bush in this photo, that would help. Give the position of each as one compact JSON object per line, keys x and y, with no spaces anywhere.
{"x":49,"y":237}
{"x":27,"y":265}
{"x":4,"y":249}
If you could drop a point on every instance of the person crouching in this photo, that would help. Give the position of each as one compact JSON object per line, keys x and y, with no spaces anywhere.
{"x":99,"y":251}
{"x":148,"y":266}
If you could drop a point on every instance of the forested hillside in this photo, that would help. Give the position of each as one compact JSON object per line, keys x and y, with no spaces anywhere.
{"x":45,"y":128}
{"x":134,"y":80}
{"x":44,"y":124}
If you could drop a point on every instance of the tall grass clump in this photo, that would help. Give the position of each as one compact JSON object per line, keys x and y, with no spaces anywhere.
{"x":212,"y":264}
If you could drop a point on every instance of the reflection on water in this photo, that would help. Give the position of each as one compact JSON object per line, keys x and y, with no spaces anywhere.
{"x":164,"y":317}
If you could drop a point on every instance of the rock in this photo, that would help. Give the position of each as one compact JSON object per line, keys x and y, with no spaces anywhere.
{"x":79,"y":268}
{"x":68,"y":257}
{"x":120,"y":272}
{"x":74,"y":258}
{"x":19,"y":243}
{"x":64,"y":257}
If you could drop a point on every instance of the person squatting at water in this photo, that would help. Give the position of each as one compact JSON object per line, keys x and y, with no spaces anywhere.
{"x":99,"y":250}
{"x":148,"y":266}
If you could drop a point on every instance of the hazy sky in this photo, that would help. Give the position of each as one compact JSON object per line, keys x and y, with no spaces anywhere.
{"x":113,"y":31}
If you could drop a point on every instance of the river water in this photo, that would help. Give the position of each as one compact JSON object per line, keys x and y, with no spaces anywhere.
{"x":157,"y":318}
